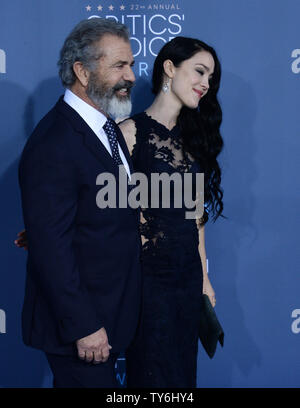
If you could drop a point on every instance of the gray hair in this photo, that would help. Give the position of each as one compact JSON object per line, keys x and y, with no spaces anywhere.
{"x":80,"y":46}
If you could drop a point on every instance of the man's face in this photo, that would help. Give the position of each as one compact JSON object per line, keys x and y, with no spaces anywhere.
{"x":111,"y":81}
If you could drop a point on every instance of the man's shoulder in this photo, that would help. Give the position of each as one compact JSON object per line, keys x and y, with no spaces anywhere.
{"x":54,"y":123}
{"x":54,"y":130}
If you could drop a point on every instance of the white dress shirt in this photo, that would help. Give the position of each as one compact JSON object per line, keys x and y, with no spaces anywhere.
{"x":95,"y":120}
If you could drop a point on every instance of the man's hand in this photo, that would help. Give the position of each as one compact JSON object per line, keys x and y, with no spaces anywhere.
{"x":94,"y":348}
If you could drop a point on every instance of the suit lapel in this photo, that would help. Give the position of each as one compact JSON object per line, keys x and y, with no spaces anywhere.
{"x":91,"y":140}
{"x":99,"y":150}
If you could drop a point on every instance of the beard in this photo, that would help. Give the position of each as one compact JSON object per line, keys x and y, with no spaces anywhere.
{"x":107,"y":100}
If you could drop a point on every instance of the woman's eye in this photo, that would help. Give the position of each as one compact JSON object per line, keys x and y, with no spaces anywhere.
{"x":200,"y":72}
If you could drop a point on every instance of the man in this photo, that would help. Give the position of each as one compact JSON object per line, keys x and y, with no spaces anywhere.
{"x":82,"y":293}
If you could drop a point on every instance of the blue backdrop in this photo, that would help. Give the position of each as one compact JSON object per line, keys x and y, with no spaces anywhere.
{"x":253,"y":256}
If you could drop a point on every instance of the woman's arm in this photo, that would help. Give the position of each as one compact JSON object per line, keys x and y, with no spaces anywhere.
{"x":207,"y":288}
{"x":21,"y":240}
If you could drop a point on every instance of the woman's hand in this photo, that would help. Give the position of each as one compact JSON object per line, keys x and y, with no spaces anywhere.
{"x":21,"y":241}
{"x":208,"y":290}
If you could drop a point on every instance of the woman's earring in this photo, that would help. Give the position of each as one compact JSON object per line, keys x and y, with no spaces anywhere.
{"x":166,"y":87}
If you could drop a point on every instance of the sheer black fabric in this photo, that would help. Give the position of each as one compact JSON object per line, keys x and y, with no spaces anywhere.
{"x":164,"y":352}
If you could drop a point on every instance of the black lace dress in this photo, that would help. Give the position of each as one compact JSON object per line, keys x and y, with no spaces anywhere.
{"x":164,"y":352}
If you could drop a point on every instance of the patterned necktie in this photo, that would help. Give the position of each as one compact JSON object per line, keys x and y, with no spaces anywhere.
{"x":110,"y":130}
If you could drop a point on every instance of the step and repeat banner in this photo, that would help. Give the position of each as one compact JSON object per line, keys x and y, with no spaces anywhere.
{"x":253,"y":254}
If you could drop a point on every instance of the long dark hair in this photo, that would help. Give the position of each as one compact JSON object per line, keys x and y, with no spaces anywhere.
{"x":200,"y":127}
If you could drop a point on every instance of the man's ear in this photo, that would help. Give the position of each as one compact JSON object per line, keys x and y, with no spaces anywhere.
{"x":81,"y":73}
{"x":169,"y":68}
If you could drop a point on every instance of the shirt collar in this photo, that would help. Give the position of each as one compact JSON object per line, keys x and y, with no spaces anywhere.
{"x":90,"y":115}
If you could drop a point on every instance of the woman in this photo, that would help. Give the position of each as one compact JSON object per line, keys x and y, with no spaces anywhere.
{"x":178,"y":133}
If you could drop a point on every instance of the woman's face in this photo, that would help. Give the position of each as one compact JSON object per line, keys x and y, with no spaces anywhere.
{"x":190,"y":82}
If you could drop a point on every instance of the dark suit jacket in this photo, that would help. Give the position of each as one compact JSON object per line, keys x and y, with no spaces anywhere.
{"x":83,"y":270}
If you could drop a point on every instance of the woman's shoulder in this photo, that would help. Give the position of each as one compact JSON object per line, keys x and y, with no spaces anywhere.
{"x":140,"y":121}
{"x":134,"y":130}
{"x":132,"y":124}
{"x":128,"y":129}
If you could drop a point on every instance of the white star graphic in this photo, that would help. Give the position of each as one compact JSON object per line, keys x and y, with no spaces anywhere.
{"x":111,"y":8}
{"x":122,"y":7}
{"x":99,"y":8}
{"x":88,"y":8}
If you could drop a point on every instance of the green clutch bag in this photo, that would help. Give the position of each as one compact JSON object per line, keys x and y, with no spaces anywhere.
{"x":210,"y":330}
